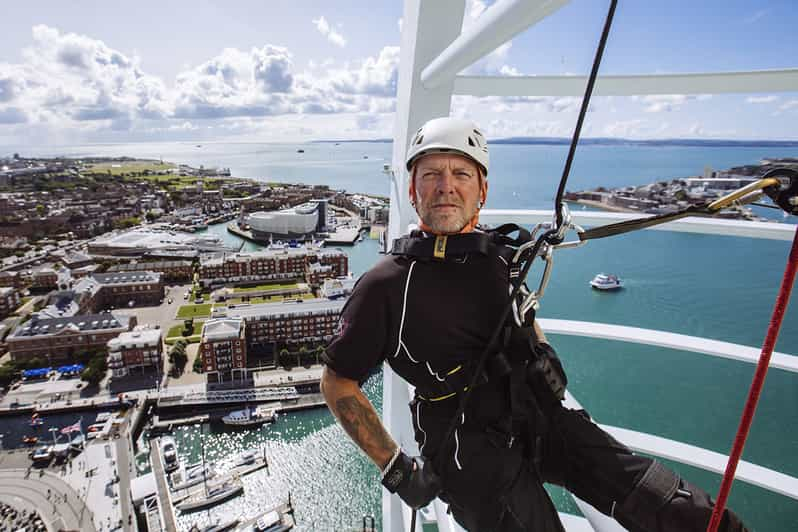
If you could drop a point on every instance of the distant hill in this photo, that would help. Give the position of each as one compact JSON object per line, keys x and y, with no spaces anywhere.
{"x":607,"y":141}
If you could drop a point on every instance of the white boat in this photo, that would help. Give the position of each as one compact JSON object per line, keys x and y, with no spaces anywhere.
{"x":61,"y":450}
{"x":214,"y":495}
{"x":248,"y":417}
{"x":604,"y":281}
{"x":169,"y":453}
{"x":192,"y":476}
{"x":43,"y":453}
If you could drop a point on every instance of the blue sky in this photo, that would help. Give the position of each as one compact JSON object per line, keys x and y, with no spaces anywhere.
{"x":92,"y":71}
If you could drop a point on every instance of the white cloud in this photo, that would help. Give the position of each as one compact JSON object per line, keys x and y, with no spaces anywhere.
{"x":375,"y":76}
{"x":333,"y":36}
{"x":67,"y":77}
{"x":791,"y":104}
{"x":756,"y":16}
{"x":663,"y":102}
{"x":761,"y":99}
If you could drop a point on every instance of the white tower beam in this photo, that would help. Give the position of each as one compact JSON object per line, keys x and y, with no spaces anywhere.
{"x":497,"y":25}
{"x":784,"y":80}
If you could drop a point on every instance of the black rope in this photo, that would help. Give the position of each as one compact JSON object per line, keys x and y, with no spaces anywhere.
{"x":585,"y":103}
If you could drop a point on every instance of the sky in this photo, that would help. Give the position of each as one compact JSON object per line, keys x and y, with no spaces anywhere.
{"x":271,"y":71}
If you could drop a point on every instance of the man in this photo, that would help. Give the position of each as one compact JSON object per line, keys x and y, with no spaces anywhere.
{"x":429,"y":309}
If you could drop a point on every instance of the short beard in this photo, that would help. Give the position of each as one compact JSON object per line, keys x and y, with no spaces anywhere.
{"x":445,"y":224}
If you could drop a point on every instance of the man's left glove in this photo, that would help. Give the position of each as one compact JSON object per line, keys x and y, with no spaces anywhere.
{"x":413,"y":479}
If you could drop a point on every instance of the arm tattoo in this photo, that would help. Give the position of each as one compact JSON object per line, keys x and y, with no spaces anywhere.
{"x":360,"y":421}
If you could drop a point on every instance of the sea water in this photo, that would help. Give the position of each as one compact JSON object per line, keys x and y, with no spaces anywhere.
{"x":710,"y":286}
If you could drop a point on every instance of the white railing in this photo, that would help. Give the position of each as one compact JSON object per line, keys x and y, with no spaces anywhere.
{"x":434,"y":50}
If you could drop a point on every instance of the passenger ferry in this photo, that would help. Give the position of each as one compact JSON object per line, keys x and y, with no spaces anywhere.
{"x":603,"y":281}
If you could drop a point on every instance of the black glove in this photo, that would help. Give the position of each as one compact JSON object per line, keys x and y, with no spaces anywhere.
{"x":414,"y":480}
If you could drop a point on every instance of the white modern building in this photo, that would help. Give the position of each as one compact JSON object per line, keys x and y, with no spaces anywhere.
{"x":299,"y":222}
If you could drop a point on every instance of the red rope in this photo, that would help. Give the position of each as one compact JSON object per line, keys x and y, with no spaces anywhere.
{"x":756,"y":384}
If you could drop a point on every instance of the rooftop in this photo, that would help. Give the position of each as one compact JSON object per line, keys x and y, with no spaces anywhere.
{"x":302,"y":307}
{"x":136,"y":338}
{"x":222,"y":329}
{"x":81,"y":323}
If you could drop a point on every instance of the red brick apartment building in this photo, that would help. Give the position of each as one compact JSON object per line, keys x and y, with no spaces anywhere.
{"x":172,"y":270}
{"x":117,"y":290}
{"x":224,"y":349}
{"x":56,"y":340}
{"x":136,"y":349}
{"x":298,"y":322}
{"x":9,"y":301}
{"x":274,"y":263}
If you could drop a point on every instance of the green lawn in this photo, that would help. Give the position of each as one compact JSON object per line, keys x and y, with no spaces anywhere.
{"x":127,"y":167}
{"x":194,"y":311}
{"x":176,"y":333}
{"x":177,"y":330}
{"x":244,"y":289}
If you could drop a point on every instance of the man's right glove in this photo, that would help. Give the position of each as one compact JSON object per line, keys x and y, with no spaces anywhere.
{"x":414,"y":480}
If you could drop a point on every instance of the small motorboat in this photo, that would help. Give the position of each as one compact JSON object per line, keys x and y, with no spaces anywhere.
{"x":42,"y":454}
{"x":169,"y":452}
{"x":36,"y":420}
{"x":29,"y":440}
{"x":604,"y":281}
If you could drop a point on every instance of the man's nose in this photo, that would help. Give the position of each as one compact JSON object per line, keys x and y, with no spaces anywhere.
{"x":445,"y":181}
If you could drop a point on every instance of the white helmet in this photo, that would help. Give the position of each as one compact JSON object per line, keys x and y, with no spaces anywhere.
{"x":446,"y":135}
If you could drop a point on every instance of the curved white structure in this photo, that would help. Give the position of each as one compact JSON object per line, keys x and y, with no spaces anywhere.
{"x":299,"y":221}
{"x":434,"y":49}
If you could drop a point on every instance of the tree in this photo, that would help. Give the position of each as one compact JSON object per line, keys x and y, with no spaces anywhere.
{"x":198,"y":364}
{"x":188,"y":327}
{"x":40,"y":210}
{"x":284,"y":359}
{"x":319,"y":353}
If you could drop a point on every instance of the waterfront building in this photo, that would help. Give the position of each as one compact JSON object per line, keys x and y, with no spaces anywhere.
{"x":61,"y":339}
{"x":300,"y":222}
{"x":224,"y":349}
{"x":9,"y":300}
{"x":172,"y":270}
{"x":139,"y":348}
{"x":273,"y":264}
{"x":300,"y":322}
{"x":138,"y":242}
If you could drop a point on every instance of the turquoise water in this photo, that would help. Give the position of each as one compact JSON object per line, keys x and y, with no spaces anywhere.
{"x":710,"y":286}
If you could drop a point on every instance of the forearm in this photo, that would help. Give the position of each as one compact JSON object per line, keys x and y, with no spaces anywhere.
{"x":357,"y":416}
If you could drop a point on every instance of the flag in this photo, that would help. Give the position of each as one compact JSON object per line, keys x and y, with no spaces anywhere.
{"x":71,"y":428}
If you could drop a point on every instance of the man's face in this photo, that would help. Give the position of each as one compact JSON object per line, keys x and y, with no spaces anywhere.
{"x":448,"y":191}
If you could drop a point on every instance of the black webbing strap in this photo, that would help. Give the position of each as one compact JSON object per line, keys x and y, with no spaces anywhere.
{"x":641,"y":223}
{"x":441,"y":247}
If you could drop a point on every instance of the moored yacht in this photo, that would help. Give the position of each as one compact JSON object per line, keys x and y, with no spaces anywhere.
{"x":249,"y":416}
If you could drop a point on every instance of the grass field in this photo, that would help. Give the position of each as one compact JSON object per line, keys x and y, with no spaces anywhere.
{"x":177,"y":330}
{"x":127,"y":167}
{"x":267,"y":299}
{"x":194,"y":311}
